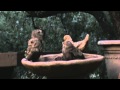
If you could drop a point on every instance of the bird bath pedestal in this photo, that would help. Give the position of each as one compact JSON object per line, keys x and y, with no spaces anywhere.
{"x":71,"y":69}
{"x":112,"y":57}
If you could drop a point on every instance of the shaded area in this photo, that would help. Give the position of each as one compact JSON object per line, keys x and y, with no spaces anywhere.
{"x":6,"y":72}
{"x":21,"y":72}
{"x":43,"y":14}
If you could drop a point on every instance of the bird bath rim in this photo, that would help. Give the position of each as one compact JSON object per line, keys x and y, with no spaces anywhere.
{"x":71,"y":68}
{"x":109,"y":42}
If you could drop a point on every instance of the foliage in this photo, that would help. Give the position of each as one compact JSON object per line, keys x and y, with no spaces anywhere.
{"x":14,"y":31}
{"x":23,"y":73}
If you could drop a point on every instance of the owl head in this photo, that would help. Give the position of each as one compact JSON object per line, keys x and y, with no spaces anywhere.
{"x":37,"y":34}
{"x":67,"y":37}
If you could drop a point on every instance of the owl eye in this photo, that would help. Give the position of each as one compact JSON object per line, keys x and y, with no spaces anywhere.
{"x":40,"y":31}
{"x":32,"y":42}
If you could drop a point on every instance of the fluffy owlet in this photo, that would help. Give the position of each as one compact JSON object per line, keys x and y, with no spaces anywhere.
{"x":70,"y":52}
{"x":79,"y":44}
{"x":34,"y":48}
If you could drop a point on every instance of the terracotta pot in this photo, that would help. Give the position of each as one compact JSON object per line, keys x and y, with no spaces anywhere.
{"x":77,"y":68}
{"x":112,"y":57}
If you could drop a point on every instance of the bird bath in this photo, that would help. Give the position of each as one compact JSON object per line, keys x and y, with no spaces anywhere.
{"x":51,"y":68}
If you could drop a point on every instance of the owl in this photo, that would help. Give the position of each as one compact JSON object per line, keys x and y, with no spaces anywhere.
{"x":79,"y":44}
{"x":34,"y":46}
{"x":70,"y":52}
